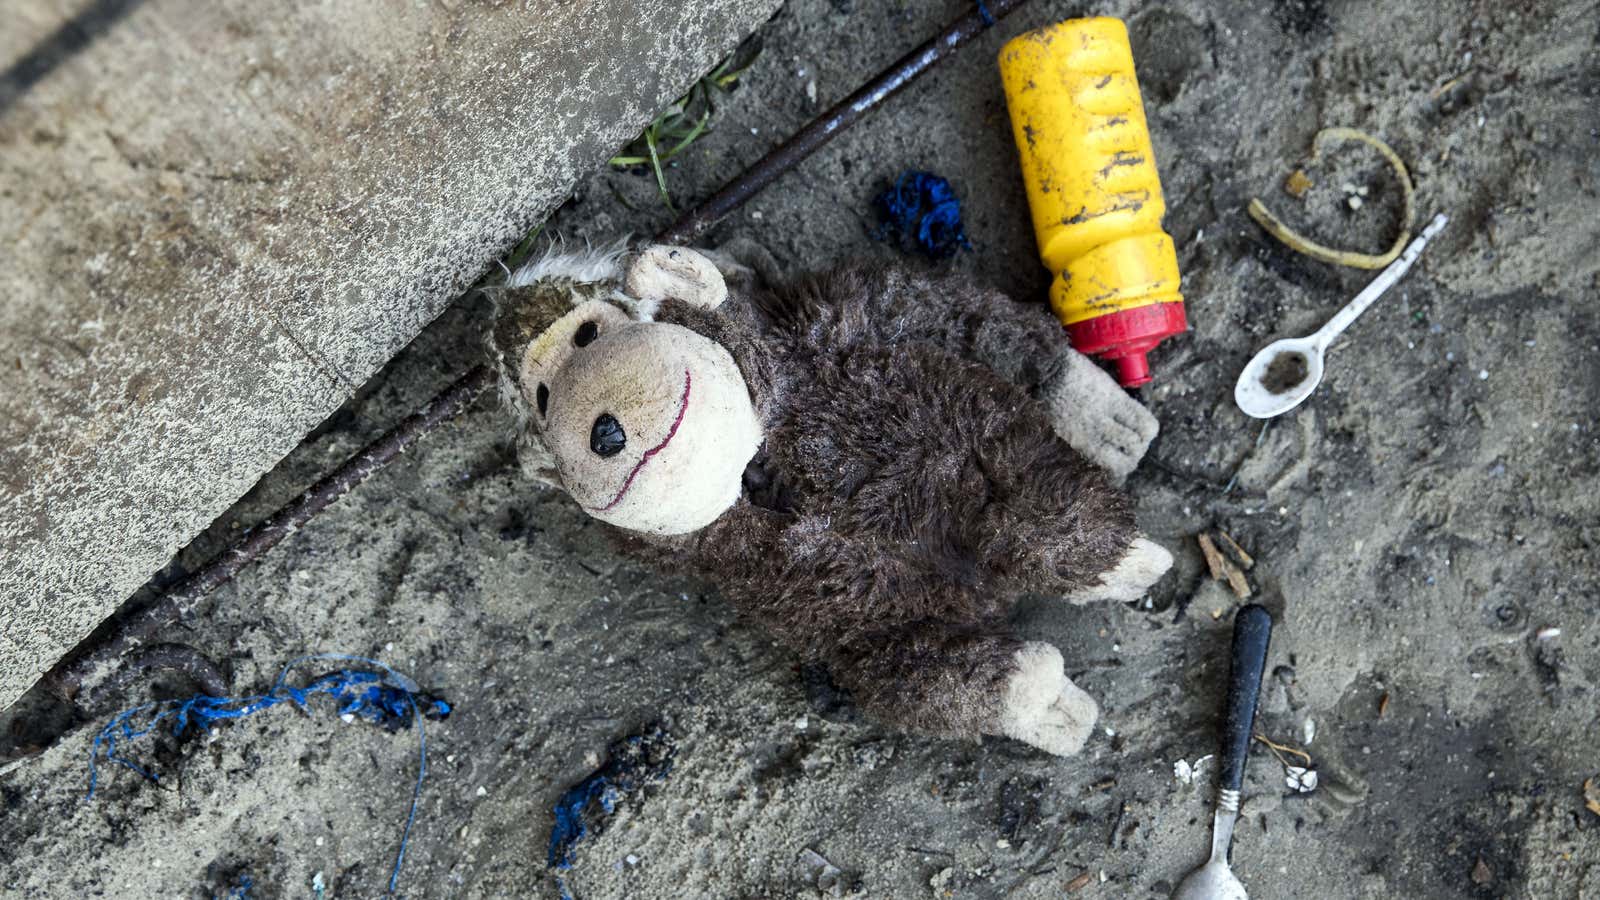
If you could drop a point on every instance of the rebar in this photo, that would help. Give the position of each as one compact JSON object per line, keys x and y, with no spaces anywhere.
{"x":177,"y":604}
{"x":841,"y":116}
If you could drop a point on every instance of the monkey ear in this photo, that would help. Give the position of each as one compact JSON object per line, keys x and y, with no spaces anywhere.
{"x":659,"y":273}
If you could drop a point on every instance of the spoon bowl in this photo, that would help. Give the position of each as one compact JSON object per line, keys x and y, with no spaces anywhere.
{"x":1212,"y":881}
{"x":1280,"y":377}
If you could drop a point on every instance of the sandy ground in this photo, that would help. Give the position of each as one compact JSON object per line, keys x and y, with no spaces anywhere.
{"x":1415,"y":525}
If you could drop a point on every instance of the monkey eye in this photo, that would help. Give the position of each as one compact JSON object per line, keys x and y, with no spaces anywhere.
{"x":606,"y":437}
{"x":542,"y":398}
{"x":585,"y":334}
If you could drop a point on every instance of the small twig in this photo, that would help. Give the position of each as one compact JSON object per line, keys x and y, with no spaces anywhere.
{"x":1279,"y":749}
{"x":1441,"y":89}
{"x":1222,"y":568}
{"x":1213,"y":557}
{"x":1244,"y":558}
{"x":1236,"y":579}
{"x":1122,"y":811}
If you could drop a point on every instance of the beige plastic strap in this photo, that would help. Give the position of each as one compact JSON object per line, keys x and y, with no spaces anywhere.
{"x":1302,"y":244}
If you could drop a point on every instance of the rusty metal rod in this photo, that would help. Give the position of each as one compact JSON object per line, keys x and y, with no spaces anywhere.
{"x":137,"y":630}
{"x":83,"y":665}
{"x":180,"y":658}
{"x":842,"y":115}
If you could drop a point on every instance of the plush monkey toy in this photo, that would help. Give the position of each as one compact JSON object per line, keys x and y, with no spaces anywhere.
{"x":871,"y":463}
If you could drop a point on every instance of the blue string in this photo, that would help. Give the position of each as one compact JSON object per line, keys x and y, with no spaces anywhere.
{"x":983,"y":10}
{"x":388,"y":699}
{"x":922,"y":209}
{"x":584,"y":809}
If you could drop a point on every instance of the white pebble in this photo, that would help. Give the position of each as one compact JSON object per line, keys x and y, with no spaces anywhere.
{"x":1300,"y":779}
{"x":1483,"y":374}
{"x":483,"y":791}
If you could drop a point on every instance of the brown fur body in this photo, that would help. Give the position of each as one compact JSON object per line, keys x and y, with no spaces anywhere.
{"x":910,"y":487}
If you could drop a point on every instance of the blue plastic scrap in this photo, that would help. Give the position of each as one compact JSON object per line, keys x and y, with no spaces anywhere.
{"x":241,"y":891}
{"x":586,"y":808}
{"x":384,"y":697}
{"x":922,"y":210}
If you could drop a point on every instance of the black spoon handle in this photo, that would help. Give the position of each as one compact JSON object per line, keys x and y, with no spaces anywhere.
{"x":1252,"y":631}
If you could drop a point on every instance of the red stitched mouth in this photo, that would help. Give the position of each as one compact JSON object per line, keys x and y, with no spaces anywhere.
{"x":683,"y":407}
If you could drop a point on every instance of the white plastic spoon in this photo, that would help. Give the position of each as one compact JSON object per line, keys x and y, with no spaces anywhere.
{"x":1286,"y":371}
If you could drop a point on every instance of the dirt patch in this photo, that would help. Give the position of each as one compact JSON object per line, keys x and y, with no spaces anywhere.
{"x":1285,"y":372}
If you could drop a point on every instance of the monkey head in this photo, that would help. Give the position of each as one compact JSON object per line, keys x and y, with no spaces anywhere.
{"x":646,"y":425}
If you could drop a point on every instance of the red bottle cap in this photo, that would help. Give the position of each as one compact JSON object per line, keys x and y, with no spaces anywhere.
{"x":1125,"y":336}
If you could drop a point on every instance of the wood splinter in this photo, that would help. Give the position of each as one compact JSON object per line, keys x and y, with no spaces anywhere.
{"x":1238,"y":552}
{"x":1223,"y":568}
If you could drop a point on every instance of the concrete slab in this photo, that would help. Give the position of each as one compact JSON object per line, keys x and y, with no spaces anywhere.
{"x":219,"y":219}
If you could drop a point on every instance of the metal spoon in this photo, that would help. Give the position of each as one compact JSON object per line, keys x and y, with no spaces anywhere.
{"x":1252,"y":631}
{"x":1286,"y":371}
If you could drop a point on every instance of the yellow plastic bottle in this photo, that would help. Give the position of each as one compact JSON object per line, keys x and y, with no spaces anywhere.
{"x":1093,"y":190}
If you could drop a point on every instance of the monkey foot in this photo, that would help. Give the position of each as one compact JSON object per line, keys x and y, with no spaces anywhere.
{"x":1043,"y":707}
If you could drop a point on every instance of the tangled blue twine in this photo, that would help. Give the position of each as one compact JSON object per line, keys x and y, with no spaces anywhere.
{"x":584,"y":809}
{"x":922,"y":208}
{"x":385,"y":698}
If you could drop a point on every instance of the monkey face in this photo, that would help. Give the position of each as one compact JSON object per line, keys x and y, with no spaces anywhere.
{"x":650,"y":424}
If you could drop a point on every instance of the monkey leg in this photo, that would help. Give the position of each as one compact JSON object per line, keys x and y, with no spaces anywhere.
{"x":962,"y":684}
